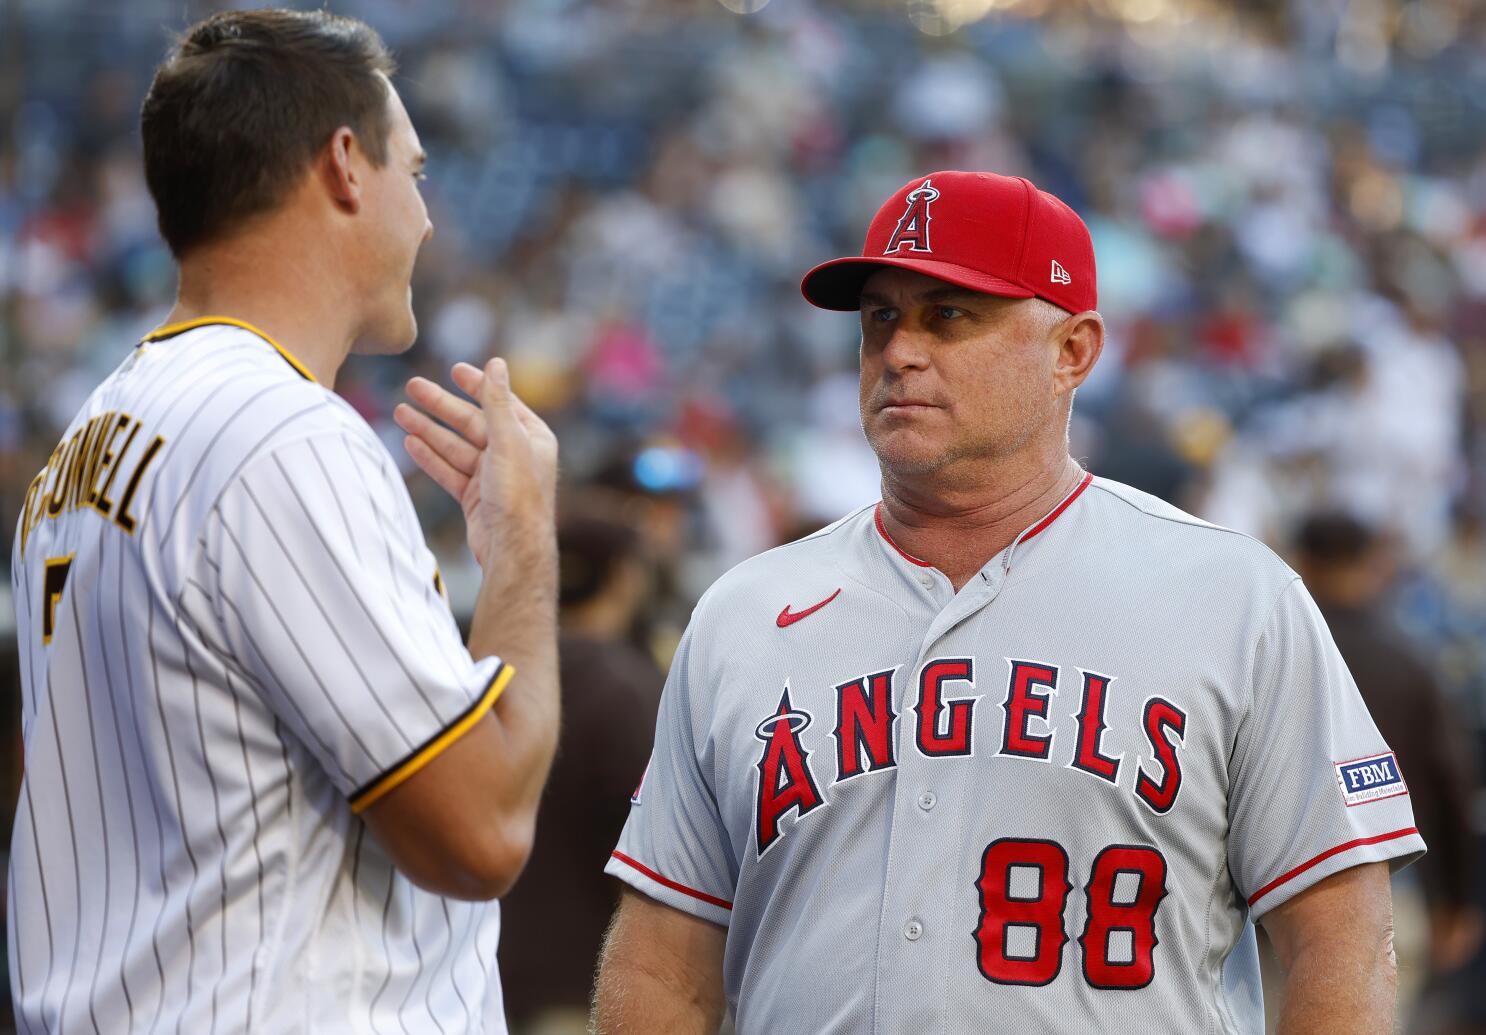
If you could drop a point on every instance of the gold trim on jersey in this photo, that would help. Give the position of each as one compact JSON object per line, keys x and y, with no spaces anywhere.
{"x":373,"y":792}
{"x":172,"y":330}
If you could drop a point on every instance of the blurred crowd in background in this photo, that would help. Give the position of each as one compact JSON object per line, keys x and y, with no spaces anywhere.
{"x":1288,"y":205}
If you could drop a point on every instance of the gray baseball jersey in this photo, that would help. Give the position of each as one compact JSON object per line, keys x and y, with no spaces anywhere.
{"x":232,"y":639}
{"x":1057,"y":797}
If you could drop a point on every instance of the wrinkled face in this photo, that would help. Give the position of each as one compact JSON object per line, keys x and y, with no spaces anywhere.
{"x":396,"y":227}
{"x":950,"y":374}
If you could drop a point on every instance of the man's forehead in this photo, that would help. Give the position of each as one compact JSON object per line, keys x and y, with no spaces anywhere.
{"x":400,"y":124}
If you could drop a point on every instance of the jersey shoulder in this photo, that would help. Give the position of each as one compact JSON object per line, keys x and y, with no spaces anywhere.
{"x":809,"y":565}
{"x":221,"y":399}
{"x":230,"y":388}
{"x":1165,"y":537}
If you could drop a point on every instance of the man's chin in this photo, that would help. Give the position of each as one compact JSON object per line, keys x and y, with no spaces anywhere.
{"x":905,"y":453}
{"x":388,"y":340}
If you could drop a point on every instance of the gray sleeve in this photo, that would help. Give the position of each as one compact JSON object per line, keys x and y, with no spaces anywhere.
{"x":674,"y":847}
{"x":1314,"y":789}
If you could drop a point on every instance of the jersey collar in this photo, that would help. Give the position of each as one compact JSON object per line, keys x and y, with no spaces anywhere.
{"x":171,"y":330}
{"x":1026,"y":534}
{"x":1052,"y":516}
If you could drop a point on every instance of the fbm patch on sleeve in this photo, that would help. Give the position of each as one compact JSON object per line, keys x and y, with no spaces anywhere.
{"x":1370,"y":779}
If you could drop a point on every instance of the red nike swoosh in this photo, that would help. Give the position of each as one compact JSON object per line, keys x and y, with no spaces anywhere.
{"x":786,"y":617}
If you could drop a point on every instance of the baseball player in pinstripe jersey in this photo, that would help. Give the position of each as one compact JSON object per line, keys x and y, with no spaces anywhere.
{"x":1016,"y":749}
{"x":267,"y":787}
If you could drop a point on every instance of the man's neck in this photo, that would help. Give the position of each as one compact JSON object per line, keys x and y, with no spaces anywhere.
{"x":959,"y":530}
{"x":284,"y":292}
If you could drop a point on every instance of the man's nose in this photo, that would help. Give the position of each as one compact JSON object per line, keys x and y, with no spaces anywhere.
{"x":906,"y":349}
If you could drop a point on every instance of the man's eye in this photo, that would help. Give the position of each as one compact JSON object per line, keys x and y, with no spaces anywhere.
{"x":948,"y":312}
{"x":882,"y":315}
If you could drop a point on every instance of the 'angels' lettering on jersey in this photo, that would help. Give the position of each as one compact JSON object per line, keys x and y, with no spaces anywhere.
{"x":944,"y":718}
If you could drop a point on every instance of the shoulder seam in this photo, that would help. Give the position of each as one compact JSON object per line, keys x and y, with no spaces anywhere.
{"x":261,"y":453}
{"x":823,"y":533}
{"x":1253,"y":654}
{"x":832,"y":529}
{"x":1194,"y":522}
{"x":266,"y":451}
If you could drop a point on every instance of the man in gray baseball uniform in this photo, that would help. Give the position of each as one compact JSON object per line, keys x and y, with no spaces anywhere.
{"x":268,"y":788}
{"x":1016,"y":748}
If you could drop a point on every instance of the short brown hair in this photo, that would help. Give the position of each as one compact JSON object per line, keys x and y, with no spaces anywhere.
{"x":244,"y":102}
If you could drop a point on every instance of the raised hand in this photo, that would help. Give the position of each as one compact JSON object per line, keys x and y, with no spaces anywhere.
{"x":498,"y":459}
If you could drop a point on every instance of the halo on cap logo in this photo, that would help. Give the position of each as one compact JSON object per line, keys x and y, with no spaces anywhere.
{"x":913,"y":226}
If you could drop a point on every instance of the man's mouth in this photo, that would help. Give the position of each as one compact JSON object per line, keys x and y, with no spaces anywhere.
{"x":905,"y":406}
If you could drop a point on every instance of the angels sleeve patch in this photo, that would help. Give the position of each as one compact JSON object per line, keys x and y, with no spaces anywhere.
{"x":1370,"y":779}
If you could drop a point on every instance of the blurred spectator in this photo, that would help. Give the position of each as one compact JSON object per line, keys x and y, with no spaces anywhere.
{"x":1443,"y":603}
{"x":651,"y":486}
{"x":553,"y":922}
{"x":1348,"y":569}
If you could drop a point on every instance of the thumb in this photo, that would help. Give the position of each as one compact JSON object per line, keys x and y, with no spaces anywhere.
{"x":496,"y":399}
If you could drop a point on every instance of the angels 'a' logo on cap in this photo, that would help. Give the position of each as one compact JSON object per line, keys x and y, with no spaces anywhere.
{"x":913,"y":226}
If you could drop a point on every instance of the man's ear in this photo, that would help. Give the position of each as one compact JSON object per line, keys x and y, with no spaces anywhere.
{"x":340,"y":165}
{"x":1080,"y":341}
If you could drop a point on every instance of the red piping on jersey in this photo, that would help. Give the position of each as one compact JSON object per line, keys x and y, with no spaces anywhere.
{"x":1040,"y":526}
{"x":673,"y":885}
{"x":877,"y":518}
{"x":1284,"y":877}
{"x":1058,"y":509}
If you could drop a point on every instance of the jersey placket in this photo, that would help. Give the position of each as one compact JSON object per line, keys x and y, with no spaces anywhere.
{"x":918,"y":937}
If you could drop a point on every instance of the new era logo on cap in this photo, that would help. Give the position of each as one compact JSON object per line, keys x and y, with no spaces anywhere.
{"x":996,"y":234}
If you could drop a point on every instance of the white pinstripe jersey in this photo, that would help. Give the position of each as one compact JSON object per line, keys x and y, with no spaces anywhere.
{"x":1049,"y":802}
{"x":232,"y":638}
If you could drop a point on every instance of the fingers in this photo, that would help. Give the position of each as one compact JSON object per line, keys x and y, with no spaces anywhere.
{"x":500,"y":413}
{"x":460,"y":414}
{"x":537,"y":432}
{"x":493,"y":384}
{"x":436,"y":467}
{"x":451,"y":447}
{"x":496,"y":400}
{"x":472,"y":380}
{"x":469,"y":378}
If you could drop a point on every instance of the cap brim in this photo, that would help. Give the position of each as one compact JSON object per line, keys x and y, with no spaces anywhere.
{"x":838,"y":284}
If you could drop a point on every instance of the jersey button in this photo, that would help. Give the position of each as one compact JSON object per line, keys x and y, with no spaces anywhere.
{"x":926,"y":580}
{"x":913,"y":930}
{"x":927,"y":801}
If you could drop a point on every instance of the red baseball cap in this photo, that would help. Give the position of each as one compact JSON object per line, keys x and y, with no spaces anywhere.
{"x":977,"y":230}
